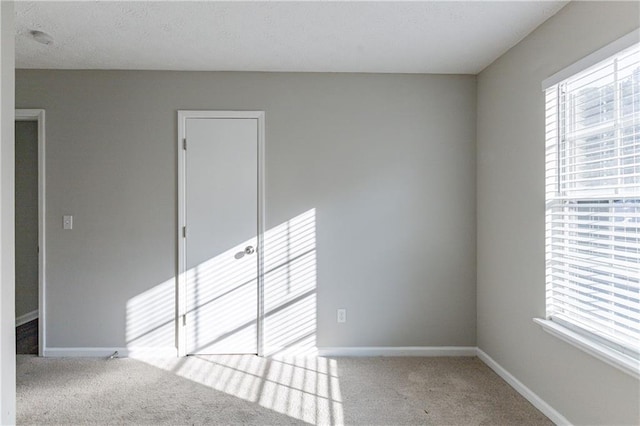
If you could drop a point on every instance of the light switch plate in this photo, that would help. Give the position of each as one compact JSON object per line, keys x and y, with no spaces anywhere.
{"x":67,"y":222}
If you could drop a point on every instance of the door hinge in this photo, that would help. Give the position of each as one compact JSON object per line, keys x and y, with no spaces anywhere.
{"x":184,"y":232}
{"x":184,"y":144}
{"x":184,"y":320}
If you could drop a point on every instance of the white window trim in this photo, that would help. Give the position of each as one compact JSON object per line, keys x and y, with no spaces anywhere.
{"x":599,"y":55}
{"x":604,"y":353}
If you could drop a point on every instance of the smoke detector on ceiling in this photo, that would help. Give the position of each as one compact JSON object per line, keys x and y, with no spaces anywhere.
{"x":41,"y":37}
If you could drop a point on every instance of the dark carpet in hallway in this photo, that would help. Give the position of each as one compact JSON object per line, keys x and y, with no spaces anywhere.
{"x":27,"y":338}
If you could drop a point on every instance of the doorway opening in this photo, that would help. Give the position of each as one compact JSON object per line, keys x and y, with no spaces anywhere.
{"x":29,"y":231}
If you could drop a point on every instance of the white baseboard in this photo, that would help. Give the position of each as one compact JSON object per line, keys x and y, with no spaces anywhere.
{"x":107,"y":352}
{"x":285,"y":351}
{"x":151,"y":352}
{"x":23,"y":319}
{"x":398,"y":351}
{"x":428,"y":351}
{"x":82,"y":352}
{"x":529,"y":395}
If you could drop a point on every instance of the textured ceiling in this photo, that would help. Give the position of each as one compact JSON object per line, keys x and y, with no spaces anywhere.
{"x":389,"y":37}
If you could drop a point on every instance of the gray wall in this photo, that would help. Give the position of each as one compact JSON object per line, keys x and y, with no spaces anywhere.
{"x":26,"y":217}
{"x":387,"y":161}
{"x":511,"y":271}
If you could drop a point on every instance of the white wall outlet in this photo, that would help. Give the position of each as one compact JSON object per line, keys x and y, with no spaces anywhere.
{"x":342,"y":315}
{"x":67,"y":222}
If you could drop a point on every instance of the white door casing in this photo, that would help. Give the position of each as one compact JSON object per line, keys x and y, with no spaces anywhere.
{"x":219,"y":307}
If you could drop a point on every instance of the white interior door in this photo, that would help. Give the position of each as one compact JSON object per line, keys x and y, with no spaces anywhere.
{"x":221,"y":216}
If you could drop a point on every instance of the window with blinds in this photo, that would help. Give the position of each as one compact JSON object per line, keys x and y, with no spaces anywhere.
{"x":593,"y":202}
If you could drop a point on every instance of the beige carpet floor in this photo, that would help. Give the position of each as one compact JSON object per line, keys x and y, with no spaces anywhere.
{"x":252,"y":390}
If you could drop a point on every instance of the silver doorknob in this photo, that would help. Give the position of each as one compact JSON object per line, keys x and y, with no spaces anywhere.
{"x":249,"y":250}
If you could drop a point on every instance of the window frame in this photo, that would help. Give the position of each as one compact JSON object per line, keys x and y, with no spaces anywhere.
{"x":590,"y":342}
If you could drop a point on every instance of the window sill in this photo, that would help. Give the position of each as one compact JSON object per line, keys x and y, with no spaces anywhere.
{"x":603,"y":353}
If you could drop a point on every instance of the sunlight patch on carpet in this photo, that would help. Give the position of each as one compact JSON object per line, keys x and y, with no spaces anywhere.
{"x":304,"y":388}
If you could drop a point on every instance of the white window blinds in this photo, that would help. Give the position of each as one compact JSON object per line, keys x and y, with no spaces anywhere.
{"x":593,"y":202}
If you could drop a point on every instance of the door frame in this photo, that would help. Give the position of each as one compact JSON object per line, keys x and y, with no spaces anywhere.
{"x":181,"y":284}
{"x":38,"y":115}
